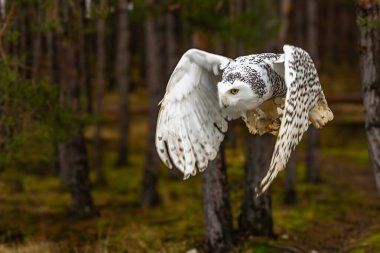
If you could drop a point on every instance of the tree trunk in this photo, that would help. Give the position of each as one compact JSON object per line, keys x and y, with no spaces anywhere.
{"x":256,"y":213}
{"x":122,"y":67}
{"x":290,"y":194}
{"x":37,"y":41}
{"x":216,"y":200}
{"x":312,"y":166}
{"x":155,"y":85}
{"x":369,"y":44}
{"x":286,"y":7}
{"x":312,"y":156}
{"x":86,"y":48}
{"x":72,"y":153}
{"x":299,"y":22}
{"x":100,"y":85}
{"x":216,"y":206}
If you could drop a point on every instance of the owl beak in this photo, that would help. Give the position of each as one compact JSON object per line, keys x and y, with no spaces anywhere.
{"x":223,"y":102}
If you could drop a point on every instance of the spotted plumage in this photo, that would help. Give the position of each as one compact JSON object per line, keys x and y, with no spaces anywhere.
{"x":273,"y":93}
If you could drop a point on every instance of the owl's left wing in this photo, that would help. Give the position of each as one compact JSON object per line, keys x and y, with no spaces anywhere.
{"x":304,"y":100}
{"x":191,"y":124}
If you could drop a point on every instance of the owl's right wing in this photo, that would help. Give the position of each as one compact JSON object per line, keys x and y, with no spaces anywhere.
{"x":304,"y":103}
{"x":191,"y":125}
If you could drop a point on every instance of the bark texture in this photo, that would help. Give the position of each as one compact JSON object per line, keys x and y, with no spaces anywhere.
{"x":122,"y":68}
{"x":216,"y":206}
{"x":153,"y":38}
{"x":369,"y":44}
{"x":100,"y":86}
{"x":72,"y":154}
{"x":256,"y":212}
{"x":290,"y":194}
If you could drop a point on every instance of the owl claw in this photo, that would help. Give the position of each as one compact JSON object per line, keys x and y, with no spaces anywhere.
{"x":320,"y":114}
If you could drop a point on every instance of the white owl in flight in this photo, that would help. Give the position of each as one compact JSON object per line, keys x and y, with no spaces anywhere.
{"x":273,"y":93}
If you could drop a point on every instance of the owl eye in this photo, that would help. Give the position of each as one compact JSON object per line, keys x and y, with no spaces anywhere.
{"x":234,"y":91}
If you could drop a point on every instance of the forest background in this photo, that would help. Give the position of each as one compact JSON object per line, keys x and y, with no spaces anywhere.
{"x":80,"y":83}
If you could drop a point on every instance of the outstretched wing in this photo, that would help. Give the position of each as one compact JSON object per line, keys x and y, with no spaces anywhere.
{"x":190,"y":124}
{"x":303,"y":91}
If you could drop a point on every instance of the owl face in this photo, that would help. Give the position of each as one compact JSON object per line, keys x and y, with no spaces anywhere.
{"x":237,"y":96}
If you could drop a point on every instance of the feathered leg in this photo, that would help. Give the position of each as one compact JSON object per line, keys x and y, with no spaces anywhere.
{"x":320,"y":114}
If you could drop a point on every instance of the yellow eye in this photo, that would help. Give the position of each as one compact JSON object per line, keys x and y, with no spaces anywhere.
{"x":234,"y":91}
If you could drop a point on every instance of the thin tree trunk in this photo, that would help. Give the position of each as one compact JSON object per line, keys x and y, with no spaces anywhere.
{"x":330,"y":35}
{"x":256,"y":213}
{"x":37,"y":41}
{"x":154,"y":77}
{"x":286,"y":7}
{"x":216,"y":200}
{"x":312,"y":165}
{"x":100,"y":85}
{"x":122,"y":66}
{"x":299,"y":21}
{"x":85,"y":47}
{"x":73,"y":154}
{"x":216,"y":206}
{"x":369,"y":44}
{"x":290,"y":194}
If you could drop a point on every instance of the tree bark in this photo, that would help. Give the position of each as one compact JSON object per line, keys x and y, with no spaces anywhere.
{"x":37,"y":41}
{"x":72,"y":153}
{"x":122,"y":68}
{"x":215,"y":193}
{"x":290,"y":194}
{"x":312,"y":166}
{"x":86,"y":48}
{"x":155,"y":85}
{"x":256,"y":212}
{"x":100,"y":86}
{"x":216,"y":207}
{"x":369,"y":44}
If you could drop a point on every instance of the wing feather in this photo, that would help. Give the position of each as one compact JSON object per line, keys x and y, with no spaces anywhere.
{"x":303,"y":88}
{"x":190,"y":124}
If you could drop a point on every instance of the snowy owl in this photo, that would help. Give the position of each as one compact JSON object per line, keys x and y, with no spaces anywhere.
{"x":273,"y":93}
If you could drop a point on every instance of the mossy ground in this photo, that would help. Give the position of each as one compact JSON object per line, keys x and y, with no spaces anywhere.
{"x":339,"y":214}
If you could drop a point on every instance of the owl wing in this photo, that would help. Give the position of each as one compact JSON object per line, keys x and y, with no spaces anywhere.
{"x":303,"y":92}
{"x":191,"y":125}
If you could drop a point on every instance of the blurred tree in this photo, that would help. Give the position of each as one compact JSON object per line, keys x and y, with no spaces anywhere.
{"x":122,"y":68}
{"x":216,"y":206}
{"x":256,"y":212}
{"x":99,"y":91}
{"x":312,"y":163}
{"x":3,"y":9}
{"x":153,"y":38}
{"x":72,"y":153}
{"x":86,"y":59}
{"x":215,"y":192}
{"x":36,"y":38}
{"x":290,"y":194}
{"x":369,"y":44}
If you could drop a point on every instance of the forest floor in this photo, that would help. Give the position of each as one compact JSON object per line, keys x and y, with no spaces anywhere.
{"x":339,"y":214}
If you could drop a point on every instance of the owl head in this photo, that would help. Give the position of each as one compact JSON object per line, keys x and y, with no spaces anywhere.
{"x":241,"y":89}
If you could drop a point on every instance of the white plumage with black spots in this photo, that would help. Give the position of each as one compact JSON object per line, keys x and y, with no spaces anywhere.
{"x":273,"y":93}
